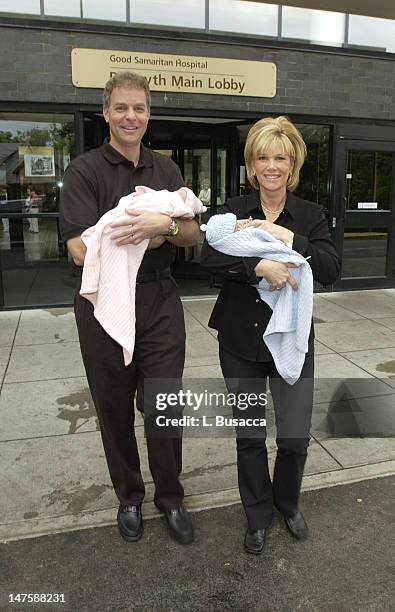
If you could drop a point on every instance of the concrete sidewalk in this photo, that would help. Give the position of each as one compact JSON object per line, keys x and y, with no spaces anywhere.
{"x":54,"y":476}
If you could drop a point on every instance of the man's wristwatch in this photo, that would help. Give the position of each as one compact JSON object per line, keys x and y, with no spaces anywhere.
{"x":174,"y":228}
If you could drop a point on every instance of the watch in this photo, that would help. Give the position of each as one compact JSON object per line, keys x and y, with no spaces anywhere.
{"x":174,"y":228}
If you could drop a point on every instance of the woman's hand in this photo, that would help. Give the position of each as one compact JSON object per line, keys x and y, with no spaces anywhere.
{"x":277,"y":274}
{"x":279,"y":232}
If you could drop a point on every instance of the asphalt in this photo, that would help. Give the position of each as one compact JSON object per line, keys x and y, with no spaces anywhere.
{"x":347,"y":564}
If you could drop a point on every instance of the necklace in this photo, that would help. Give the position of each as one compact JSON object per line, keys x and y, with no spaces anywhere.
{"x":275,"y":210}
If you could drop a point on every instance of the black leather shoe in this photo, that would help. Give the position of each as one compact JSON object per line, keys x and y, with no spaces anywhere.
{"x":180,"y":524}
{"x":130,"y":522}
{"x":296,"y":525}
{"x":254,"y":541}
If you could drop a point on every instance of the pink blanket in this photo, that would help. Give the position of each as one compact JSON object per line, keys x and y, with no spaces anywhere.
{"x":110,"y":271}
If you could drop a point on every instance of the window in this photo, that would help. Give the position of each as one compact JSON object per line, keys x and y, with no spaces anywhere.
{"x":30,"y":7}
{"x":244,"y":17}
{"x":173,"y":13}
{"x":71,"y":8}
{"x":369,"y":179}
{"x":115,"y":10}
{"x":320,"y":27}
{"x":371,"y":32}
{"x":34,"y":153}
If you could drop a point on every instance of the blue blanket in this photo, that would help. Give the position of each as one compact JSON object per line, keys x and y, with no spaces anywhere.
{"x":287,"y":332}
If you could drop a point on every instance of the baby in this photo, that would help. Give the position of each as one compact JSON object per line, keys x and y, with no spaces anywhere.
{"x":109,"y":275}
{"x":183,"y":193}
{"x":287,"y":332}
{"x":219,"y":226}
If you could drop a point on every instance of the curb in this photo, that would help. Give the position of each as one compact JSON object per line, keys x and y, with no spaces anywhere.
{"x":34,"y":528}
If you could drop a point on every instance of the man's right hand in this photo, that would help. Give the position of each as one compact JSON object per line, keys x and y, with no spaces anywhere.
{"x":277,"y":274}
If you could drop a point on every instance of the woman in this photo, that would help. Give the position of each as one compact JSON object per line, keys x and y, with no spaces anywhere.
{"x":32,"y":202}
{"x":205,"y":192}
{"x":274,"y":154}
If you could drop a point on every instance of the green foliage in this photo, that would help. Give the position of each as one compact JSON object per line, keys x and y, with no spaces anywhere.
{"x":60,"y":136}
{"x":7,"y":137}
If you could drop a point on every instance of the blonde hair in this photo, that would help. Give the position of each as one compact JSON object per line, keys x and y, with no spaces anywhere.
{"x":268,"y":134}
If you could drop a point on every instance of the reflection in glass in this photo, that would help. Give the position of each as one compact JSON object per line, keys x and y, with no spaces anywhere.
{"x":320,"y":27}
{"x":197,"y":169}
{"x":115,"y":10}
{"x":369,"y":179}
{"x":71,"y":8}
{"x":31,"y":7}
{"x":166,"y":152}
{"x":372,"y":32}
{"x":244,"y":17}
{"x":221,"y":177}
{"x":197,"y":176}
{"x":364,"y":252}
{"x":313,"y":184}
{"x":243,"y":182}
{"x":186,"y":13}
{"x":34,"y":153}
{"x":33,"y":272}
{"x":35,"y":150}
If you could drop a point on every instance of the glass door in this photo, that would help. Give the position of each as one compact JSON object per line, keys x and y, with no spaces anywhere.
{"x":364,"y":220}
{"x":197,"y":176}
{"x":201,"y":150}
{"x":35,"y":150}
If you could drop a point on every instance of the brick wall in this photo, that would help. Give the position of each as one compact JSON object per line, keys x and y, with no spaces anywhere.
{"x":35,"y":66}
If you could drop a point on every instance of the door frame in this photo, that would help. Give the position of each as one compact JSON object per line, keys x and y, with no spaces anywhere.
{"x":353,"y":139}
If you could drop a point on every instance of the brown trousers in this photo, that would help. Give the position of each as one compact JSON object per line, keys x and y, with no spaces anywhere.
{"x":159,"y":353}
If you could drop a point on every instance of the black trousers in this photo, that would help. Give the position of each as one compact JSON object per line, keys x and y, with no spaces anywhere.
{"x":293,"y":409}
{"x":159,"y":353}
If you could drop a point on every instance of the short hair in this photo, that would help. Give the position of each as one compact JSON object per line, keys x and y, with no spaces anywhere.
{"x":125,"y":78}
{"x":269,"y":133}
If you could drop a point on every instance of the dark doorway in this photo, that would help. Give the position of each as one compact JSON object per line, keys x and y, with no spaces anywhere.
{"x":365,"y":211}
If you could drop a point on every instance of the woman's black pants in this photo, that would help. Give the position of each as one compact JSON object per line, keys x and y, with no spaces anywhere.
{"x":293,"y":408}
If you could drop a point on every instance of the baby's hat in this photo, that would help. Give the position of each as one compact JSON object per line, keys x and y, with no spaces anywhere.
{"x":219,"y":226}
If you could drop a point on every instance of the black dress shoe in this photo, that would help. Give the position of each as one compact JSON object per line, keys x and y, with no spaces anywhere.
{"x":180,"y":524}
{"x":296,"y":525}
{"x":130,"y":522}
{"x":254,"y":541}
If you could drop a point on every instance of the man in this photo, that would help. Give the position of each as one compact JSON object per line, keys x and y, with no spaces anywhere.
{"x":93,"y":184}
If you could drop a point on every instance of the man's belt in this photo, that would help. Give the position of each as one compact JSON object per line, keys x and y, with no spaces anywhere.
{"x":151,"y":277}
